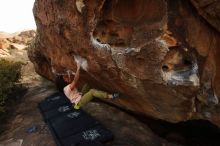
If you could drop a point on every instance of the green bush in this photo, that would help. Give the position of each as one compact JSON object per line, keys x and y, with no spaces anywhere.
{"x":10,"y":73}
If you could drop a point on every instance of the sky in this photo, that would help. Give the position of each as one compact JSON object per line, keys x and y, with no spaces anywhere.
{"x":16,"y":15}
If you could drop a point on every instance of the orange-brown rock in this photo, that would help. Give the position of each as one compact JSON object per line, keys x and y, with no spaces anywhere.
{"x":160,"y":54}
{"x":209,"y":10}
{"x":4,"y":43}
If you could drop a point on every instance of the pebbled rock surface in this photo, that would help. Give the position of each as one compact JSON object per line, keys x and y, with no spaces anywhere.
{"x":160,"y":55}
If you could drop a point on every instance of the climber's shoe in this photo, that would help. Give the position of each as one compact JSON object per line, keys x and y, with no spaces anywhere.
{"x":115,"y":95}
{"x":76,"y":107}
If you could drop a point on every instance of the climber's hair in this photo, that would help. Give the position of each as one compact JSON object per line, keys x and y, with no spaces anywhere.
{"x":60,"y":83}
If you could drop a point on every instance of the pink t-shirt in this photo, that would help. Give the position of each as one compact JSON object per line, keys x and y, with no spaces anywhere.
{"x":73,"y":95}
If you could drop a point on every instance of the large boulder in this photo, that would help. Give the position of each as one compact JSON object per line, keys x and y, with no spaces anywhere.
{"x":159,"y":54}
{"x":209,"y":10}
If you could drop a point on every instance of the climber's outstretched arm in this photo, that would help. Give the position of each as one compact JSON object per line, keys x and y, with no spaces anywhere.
{"x":76,"y":78}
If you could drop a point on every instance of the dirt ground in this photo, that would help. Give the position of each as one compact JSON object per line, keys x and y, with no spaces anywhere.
{"x":25,"y":116}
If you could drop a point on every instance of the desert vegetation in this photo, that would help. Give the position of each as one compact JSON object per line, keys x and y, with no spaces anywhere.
{"x":10,"y":73}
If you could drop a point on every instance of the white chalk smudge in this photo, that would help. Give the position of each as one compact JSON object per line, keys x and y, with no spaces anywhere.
{"x":128,"y":50}
{"x":82,"y":61}
{"x":120,"y":50}
{"x":99,"y":45}
{"x":67,"y":72}
{"x":80,"y":5}
{"x":215,"y":100}
{"x":162,"y":43}
{"x":189,"y":77}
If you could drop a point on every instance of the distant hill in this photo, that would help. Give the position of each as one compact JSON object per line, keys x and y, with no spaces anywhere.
{"x":11,"y":40}
{"x":18,"y":41}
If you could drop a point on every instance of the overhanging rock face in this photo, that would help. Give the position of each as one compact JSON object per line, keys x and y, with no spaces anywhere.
{"x":161,"y":55}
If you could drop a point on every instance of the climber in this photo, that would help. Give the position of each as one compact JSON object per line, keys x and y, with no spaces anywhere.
{"x":82,"y":98}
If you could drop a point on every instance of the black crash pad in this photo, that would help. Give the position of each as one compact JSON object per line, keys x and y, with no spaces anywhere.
{"x":71,"y":123}
{"x":92,"y":143}
{"x":53,"y":101}
{"x":71,"y":127}
{"x":97,"y":133}
{"x":57,"y":111}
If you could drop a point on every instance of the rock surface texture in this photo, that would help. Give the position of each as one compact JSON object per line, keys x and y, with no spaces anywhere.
{"x":161,"y":55}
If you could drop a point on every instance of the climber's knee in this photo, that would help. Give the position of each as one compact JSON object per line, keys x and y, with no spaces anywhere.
{"x":92,"y":91}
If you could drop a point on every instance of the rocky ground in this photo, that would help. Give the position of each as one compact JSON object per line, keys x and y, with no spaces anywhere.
{"x":127,"y":130}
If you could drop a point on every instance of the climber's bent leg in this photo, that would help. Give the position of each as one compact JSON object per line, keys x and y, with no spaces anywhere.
{"x":85,"y":89}
{"x":89,"y":96}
